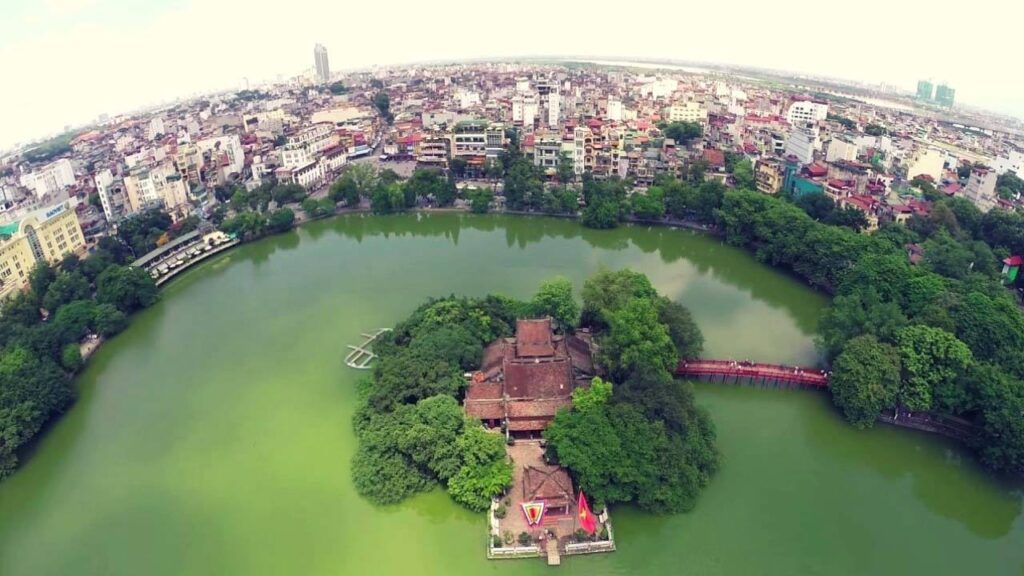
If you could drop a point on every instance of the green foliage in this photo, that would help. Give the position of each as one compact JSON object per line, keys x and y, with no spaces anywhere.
{"x":480,"y":200}
{"x":606,"y":202}
{"x":523,"y":187}
{"x":682,"y":328}
{"x":108,"y":320}
{"x":142,"y":231}
{"x":683,"y":132}
{"x":649,"y":205}
{"x":126,"y":288}
{"x":382,"y":102}
{"x":288,"y":193}
{"x":592,"y":397}
{"x":636,"y":339}
{"x":486,"y":471}
{"x":743,"y":174}
{"x":40,"y":278}
{"x":431,"y":184}
{"x":554,"y":298}
{"x":280,"y":220}
{"x":66,"y":287}
{"x":411,"y":428}
{"x":32,"y":390}
{"x":932,"y":361}
{"x":318,"y":208}
{"x":644,"y":441}
{"x":337,"y":88}
{"x":387,"y":199}
{"x":71,"y":358}
{"x":865,"y":379}
{"x":246,"y":225}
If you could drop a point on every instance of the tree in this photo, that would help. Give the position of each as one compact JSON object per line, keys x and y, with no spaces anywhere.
{"x":874,"y":130}
{"x":743,"y":174}
{"x":74,"y":320}
{"x":932,"y":361}
{"x":601,"y":214}
{"x":682,"y":329}
{"x":66,"y":287}
{"x":40,"y":277}
{"x":345,"y":189}
{"x":649,"y":206}
{"x":382,"y":102}
{"x":944,"y":255}
{"x":127,"y":288}
{"x":554,"y":298}
{"x":480,"y":200}
{"x":387,"y":199}
{"x":683,"y":132}
{"x":108,"y":320}
{"x":609,"y":291}
{"x":849,"y":217}
{"x":337,"y":88}
{"x":565,"y":170}
{"x":865,"y":379}
{"x":636,"y":339}
{"x":280,"y":220}
{"x":485,"y":472}
{"x":71,"y":357}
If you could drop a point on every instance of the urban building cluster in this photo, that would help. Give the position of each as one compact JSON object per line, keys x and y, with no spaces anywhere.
{"x":462,"y":118}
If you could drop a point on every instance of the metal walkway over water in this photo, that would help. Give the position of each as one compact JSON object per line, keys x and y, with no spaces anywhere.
{"x":360,"y":357}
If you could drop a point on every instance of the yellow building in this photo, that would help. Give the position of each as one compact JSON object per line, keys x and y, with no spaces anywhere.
{"x":45,"y":235}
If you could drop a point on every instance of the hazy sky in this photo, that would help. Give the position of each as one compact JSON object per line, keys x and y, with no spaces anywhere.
{"x":67,"y":61}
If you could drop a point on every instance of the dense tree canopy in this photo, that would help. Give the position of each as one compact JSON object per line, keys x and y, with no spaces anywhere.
{"x":643,"y":441}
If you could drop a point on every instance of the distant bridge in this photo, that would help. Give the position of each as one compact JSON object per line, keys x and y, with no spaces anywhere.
{"x":766,"y":374}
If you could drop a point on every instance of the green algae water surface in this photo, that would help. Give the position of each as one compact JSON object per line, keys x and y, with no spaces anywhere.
{"x":213,"y":436}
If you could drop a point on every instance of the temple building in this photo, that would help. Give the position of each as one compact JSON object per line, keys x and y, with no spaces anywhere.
{"x":525,"y":380}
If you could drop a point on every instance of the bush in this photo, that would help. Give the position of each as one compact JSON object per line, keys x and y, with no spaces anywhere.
{"x":603,"y":534}
{"x":71,"y":357}
{"x":495,"y":541}
{"x":501,"y":511}
{"x":525,"y":539}
{"x":507,"y":537}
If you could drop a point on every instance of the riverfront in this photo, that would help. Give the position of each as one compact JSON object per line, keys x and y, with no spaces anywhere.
{"x":214,"y":435}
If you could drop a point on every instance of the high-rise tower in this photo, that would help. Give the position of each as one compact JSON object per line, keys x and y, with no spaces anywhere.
{"x":323,"y":70}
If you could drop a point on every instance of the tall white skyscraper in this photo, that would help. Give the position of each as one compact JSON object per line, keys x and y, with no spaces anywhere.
{"x":323,"y":70}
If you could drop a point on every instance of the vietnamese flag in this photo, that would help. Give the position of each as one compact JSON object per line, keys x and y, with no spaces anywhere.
{"x":588,"y":522}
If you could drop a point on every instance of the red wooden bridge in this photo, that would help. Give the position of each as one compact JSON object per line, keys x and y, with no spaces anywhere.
{"x":767,"y":374}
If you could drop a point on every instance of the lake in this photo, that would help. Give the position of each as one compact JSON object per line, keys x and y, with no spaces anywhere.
{"x":214,"y":435}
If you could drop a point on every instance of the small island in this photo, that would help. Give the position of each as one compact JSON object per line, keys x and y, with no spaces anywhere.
{"x":511,"y":406}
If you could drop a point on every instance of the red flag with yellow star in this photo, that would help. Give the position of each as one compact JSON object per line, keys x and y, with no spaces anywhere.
{"x":588,"y":522}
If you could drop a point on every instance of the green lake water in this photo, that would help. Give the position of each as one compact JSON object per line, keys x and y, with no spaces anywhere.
{"x":214,"y":437}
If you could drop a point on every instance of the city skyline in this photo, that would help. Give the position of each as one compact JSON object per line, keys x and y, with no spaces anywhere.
{"x":89,"y":43}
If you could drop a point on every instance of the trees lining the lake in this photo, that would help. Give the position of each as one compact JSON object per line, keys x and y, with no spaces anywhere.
{"x":957,"y":332}
{"x":38,"y":356}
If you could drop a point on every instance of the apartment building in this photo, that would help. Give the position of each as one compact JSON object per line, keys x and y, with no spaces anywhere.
{"x":768,"y":176}
{"x":687,"y":112}
{"x":806,"y":112}
{"x":981,"y":188}
{"x":52,"y":178}
{"x":547,"y":149}
{"x":160,"y":185}
{"x":113,"y":197}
